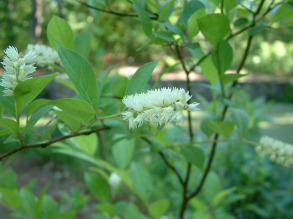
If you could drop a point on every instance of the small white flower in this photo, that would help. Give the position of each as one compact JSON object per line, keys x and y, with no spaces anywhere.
{"x":157,"y":107}
{"x":114,"y":180}
{"x":17,"y":69}
{"x":278,"y":151}
{"x":44,"y":54}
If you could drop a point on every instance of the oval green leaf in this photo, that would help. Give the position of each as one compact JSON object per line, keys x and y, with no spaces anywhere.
{"x":59,"y":32}
{"x":81,"y":74}
{"x":140,"y":78}
{"x":214,"y":27}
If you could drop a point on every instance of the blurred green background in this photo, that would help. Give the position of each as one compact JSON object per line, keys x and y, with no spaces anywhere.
{"x":117,"y":40}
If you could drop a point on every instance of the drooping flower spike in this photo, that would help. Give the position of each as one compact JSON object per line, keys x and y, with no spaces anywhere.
{"x":17,"y":69}
{"x":44,"y":54}
{"x":278,"y":151}
{"x":157,"y":107}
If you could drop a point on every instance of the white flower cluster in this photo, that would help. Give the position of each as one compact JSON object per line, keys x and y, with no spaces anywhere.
{"x":17,"y":69}
{"x":114,"y":180}
{"x":278,"y":151}
{"x":157,"y":107}
{"x":44,"y":54}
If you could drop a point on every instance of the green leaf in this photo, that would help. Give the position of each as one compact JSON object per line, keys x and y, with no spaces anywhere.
{"x":28,"y":201}
{"x":223,"y":56}
{"x":140,"y":78}
{"x":284,"y":12}
{"x":48,"y":209}
{"x":98,"y":186}
{"x":81,"y":73}
{"x":59,"y":32}
{"x":7,"y":102}
{"x":119,"y":86}
{"x":189,"y":9}
{"x":10,"y":125}
{"x":241,"y":118}
{"x":68,"y":119}
{"x":192,"y":25}
{"x":227,"y":78}
{"x":82,"y":43}
{"x":10,"y":197}
{"x":205,"y":128}
{"x":67,"y":82}
{"x":255,"y":29}
{"x":240,"y":22}
{"x":193,"y":155}
{"x":166,"y":10}
{"x":197,"y":204}
{"x":36,"y":117}
{"x":87,"y":143}
{"x":221,"y":195}
{"x":222,"y":128}
{"x":132,"y":212}
{"x":141,"y":181}
{"x":143,"y":17}
{"x":107,"y":208}
{"x":8,"y":179}
{"x":158,"y":208}
{"x":195,"y":50}
{"x":123,"y":151}
{"x":40,"y":199}
{"x":214,"y":27}
{"x":27,"y":90}
{"x":172,"y":28}
{"x":165,"y":35}
{"x":75,"y":108}
{"x":228,"y":5}
{"x":209,"y":70}
{"x":211,"y":186}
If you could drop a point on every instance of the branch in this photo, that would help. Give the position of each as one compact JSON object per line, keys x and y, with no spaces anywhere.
{"x":114,"y":12}
{"x":190,"y":131}
{"x":171,"y":167}
{"x":165,"y":160}
{"x":214,"y":145}
{"x":46,"y":144}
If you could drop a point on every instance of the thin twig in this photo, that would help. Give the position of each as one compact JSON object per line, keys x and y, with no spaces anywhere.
{"x":165,"y":160}
{"x":171,"y":167}
{"x":46,"y":144}
{"x":120,"y":14}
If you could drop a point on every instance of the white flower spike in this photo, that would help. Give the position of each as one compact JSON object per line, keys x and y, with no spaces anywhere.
{"x":17,"y":69}
{"x":44,"y":54}
{"x":157,"y":107}
{"x":278,"y":151}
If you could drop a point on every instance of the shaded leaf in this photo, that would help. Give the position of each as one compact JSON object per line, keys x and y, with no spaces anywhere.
{"x":98,"y":186}
{"x":241,"y":118}
{"x":193,"y":155}
{"x":123,"y":151}
{"x":143,"y":17}
{"x":82,"y":43}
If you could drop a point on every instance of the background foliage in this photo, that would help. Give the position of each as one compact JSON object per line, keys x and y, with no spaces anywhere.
{"x":160,"y":168}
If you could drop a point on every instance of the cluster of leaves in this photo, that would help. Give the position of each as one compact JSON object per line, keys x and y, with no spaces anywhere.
{"x":163,"y":170}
